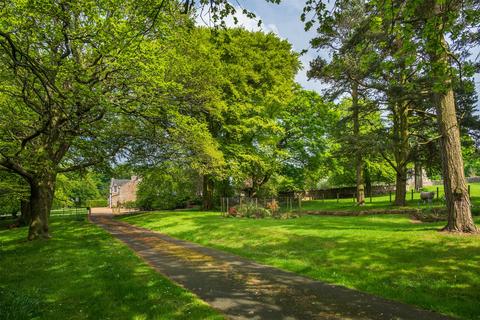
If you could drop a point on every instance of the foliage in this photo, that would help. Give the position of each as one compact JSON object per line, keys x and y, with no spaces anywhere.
{"x":258,"y":79}
{"x":76,"y":189}
{"x":97,"y":203}
{"x":167,"y":187}
{"x":73,"y":78}
{"x":130,"y":205}
{"x":251,"y":210}
{"x":12,"y":191}
{"x":308,"y":122}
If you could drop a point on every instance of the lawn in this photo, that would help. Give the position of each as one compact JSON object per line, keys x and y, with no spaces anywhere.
{"x":383,"y":202}
{"x":386,"y":255}
{"x":83,"y":273}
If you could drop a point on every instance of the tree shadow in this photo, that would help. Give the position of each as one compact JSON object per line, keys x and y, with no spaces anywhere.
{"x":385,"y":255}
{"x":82,"y":272}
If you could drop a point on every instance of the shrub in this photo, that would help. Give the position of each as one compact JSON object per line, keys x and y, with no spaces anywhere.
{"x":129,"y":205}
{"x":97,"y":203}
{"x":252,"y":210}
{"x":431,"y":215}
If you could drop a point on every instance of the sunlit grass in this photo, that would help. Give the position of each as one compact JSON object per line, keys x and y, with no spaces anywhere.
{"x":386,"y":255}
{"x":83,"y":273}
{"x":386,"y":201}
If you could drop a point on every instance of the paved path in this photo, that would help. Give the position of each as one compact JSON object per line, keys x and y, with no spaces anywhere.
{"x":242,"y":289}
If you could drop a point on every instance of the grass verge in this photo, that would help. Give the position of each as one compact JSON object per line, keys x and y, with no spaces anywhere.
{"x":83,"y":273}
{"x":385,"y":255}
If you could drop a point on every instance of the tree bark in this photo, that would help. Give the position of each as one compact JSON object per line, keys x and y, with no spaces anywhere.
{"x":360,"y":183}
{"x":401,"y":150}
{"x":208,"y":186}
{"x":401,"y":187}
{"x":368,"y":182}
{"x":456,"y":192}
{"x":41,"y":198}
{"x":455,"y":185}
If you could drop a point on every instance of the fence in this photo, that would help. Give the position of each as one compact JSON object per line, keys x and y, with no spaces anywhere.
{"x":282,"y":204}
{"x":69,"y":211}
{"x":58,"y":212}
{"x":342,"y":193}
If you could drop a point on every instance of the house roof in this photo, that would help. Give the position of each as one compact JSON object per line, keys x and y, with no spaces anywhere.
{"x":120,"y":182}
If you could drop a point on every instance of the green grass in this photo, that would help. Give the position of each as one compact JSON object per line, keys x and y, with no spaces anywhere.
{"x":62,"y":212}
{"x":383,"y":202}
{"x":385,"y":255}
{"x":83,"y":273}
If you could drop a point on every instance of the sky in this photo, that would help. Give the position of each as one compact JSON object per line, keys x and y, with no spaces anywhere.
{"x":284,"y":20}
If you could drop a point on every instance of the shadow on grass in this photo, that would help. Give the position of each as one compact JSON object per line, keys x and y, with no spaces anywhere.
{"x":385,"y":255}
{"x":82,"y":272}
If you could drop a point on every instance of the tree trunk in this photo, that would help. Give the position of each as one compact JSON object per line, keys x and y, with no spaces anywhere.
{"x":208,"y":185}
{"x":418,"y":176}
{"x":358,"y":150}
{"x":401,"y":187}
{"x":456,"y":192}
{"x":401,"y":150}
{"x":41,"y":199}
{"x":368,"y":182}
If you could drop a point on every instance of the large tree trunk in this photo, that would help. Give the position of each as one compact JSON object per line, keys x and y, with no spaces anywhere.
{"x":401,"y":187}
{"x":456,"y":192}
{"x":41,"y":199}
{"x":401,"y":150}
{"x":368,"y":182}
{"x":360,"y":183}
{"x":208,"y":186}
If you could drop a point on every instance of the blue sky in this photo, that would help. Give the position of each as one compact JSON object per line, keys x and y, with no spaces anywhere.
{"x":284,"y":20}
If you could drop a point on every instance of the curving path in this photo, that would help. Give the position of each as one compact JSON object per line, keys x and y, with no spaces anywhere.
{"x":242,"y":289}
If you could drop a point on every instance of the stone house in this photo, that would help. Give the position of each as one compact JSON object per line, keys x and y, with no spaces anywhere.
{"x":122,"y":191}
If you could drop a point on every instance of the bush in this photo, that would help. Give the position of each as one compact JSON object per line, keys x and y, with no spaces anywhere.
{"x":129,"y":205}
{"x":250,"y":210}
{"x":431,"y":215}
{"x":97,"y":203}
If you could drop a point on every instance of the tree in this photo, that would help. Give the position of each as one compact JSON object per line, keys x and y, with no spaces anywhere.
{"x":76,"y":188}
{"x":13,"y":192}
{"x":442,"y":18}
{"x":168,"y":186}
{"x":308,"y":122}
{"x":61,"y":65}
{"x":344,"y":71}
{"x":426,"y":25}
{"x":255,"y":74}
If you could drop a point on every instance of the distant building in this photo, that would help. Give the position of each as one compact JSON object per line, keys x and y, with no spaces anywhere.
{"x":418,"y":181}
{"x":122,"y":191}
